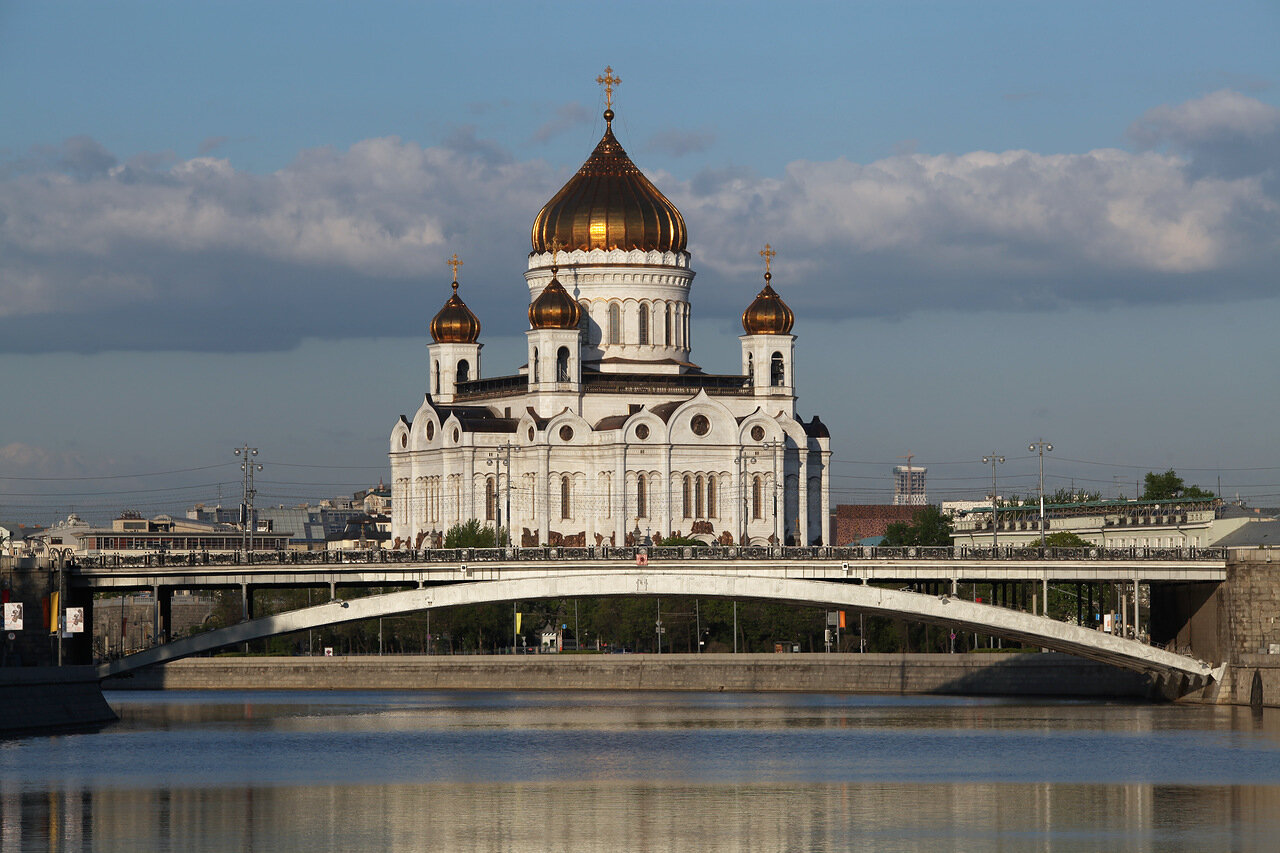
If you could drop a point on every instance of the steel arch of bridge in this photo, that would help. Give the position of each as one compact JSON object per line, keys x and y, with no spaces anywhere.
{"x":940,"y":610}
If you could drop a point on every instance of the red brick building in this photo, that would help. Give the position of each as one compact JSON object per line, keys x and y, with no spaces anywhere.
{"x":858,"y":521}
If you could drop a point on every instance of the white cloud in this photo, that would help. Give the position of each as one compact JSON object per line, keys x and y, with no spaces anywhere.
{"x":161,"y":253}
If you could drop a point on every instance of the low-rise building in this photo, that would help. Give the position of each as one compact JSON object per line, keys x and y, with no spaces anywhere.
{"x":1182,"y":523}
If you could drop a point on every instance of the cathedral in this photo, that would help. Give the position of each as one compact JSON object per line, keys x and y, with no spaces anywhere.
{"x":610,"y":434}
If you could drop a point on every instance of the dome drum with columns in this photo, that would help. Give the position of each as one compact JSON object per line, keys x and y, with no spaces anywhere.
{"x":609,"y":427}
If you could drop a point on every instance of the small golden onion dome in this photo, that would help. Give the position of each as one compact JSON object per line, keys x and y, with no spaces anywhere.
{"x":455,"y":324}
{"x":609,"y":204}
{"x":554,"y":308}
{"x":768,"y":314}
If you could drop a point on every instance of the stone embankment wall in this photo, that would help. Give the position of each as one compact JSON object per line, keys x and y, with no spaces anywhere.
{"x":1247,"y":607}
{"x":1008,"y":675}
{"x":51,"y":697}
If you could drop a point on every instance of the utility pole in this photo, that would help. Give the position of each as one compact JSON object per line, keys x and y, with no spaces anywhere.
{"x":993,"y":459}
{"x":1041,"y":446}
{"x":248,"y":466}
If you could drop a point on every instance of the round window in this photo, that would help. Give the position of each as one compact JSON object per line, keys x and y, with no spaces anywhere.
{"x":566,"y":433}
{"x":531,"y":433}
{"x":404,"y":440}
{"x":642,"y":431}
{"x":700,"y":425}
{"x":757,"y":433}
{"x":431,"y":430}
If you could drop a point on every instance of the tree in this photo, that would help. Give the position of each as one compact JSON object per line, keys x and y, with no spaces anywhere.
{"x":928,"y":527}
{"x":1065,"y":539}
{"x":1169,"y":486}
{"x":473,"y":534}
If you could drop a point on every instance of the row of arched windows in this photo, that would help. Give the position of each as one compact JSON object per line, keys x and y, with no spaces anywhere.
{"x":562,"y":365}
{"x":700,"y":496}
{"x":777,"y":370}
{"x":671,"y":319}
{"x":463,"y":374}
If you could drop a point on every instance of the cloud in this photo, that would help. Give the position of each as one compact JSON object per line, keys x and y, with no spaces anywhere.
{"x":1225,"y":133}
{"x":161,"y":253}
{"x":567,"y":117}
{"x":678,"y":143}
{"x":213,"y":143}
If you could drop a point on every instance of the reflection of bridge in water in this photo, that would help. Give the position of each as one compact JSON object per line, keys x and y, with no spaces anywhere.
{"x":923,"y":585}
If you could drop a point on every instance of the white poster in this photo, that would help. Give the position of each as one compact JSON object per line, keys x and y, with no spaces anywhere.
{"x":13,"y":616}
{"x":75,"y":620}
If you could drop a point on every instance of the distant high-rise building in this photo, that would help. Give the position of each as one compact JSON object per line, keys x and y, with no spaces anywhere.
{"x":908,"y":485}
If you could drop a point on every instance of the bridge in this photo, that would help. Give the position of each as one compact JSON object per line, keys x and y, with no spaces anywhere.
{"x":827,"y":577}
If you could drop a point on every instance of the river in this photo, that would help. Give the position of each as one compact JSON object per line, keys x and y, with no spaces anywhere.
{"x":561,"y":771}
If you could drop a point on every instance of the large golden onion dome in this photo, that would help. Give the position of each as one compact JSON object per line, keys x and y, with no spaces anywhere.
{"x":768,"y":314}
{"x":455,"y":324}
{"x":554,"y":308}
{"x":609,"y":204}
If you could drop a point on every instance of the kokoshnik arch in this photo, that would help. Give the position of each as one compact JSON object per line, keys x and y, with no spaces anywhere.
{"x":610,"y":432}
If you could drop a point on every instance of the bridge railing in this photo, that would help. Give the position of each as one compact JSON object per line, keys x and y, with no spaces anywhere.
{"x":632,"y":554}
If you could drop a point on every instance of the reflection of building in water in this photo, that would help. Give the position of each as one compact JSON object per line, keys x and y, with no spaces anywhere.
{"x":608,"y":813}
{"x":609,"y":428}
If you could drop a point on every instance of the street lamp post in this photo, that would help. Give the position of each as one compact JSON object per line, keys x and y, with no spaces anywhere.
{"x":502,"y":456}
{"x":248,"y":466}
{"x":993,"y":459}
{"x":1041,"y":446}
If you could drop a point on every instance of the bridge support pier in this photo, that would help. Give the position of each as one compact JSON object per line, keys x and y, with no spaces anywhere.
{"x":246,"y":601}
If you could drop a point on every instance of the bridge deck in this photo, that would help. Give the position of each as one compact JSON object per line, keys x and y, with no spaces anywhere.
{"x":906,"y":570}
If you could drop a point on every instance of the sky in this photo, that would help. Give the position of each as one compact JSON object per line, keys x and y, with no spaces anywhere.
{"x":227,"y":223}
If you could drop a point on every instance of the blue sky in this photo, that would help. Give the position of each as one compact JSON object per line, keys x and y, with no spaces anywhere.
{"x":227,"y":222}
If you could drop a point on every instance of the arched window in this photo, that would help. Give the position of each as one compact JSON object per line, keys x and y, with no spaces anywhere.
{"x":562,"y":365}
{"x":490,"y":499}
{"x":688,"y":497}
{"x":535,"y":365}
{"x":667,"y":339}
{"x":564,"y":498}
{"x":464,"y":371}
{"x":686,"y":328}
{"x":584,"y":326}
{"x":711,"y":496}
{"x":751,"y":370}
{"x":615,"y":323}
{"x":755,"y":496}
{"x":644,"y":324}
{"x":697,"y":500}
{"x":642,"y":503}
{"x":437,"y":391}
{"x":777,"y":376}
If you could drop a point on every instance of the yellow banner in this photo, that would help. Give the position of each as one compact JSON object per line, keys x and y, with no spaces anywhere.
{"x":518,"y":615}
{"x":53,"y":613}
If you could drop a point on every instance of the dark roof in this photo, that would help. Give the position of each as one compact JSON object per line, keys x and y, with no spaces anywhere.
{"x":816,"y":429}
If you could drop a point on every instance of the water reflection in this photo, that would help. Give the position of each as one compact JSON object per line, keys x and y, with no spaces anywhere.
{"x":633,"y":816}
{"x":620,"y":772}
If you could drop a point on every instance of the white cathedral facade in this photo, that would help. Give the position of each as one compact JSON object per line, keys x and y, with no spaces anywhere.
{"x":610,"y":434}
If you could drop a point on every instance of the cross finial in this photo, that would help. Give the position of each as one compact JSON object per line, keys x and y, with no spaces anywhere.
{"x":555,"y":247}
{"x":609,"y":82}
{"x":768,"y":254}
{"x":454,"y":263}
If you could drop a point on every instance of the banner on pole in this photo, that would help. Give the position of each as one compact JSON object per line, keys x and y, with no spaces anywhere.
{"x":518,"y":617}
{"x":13,"y":616}
{"x":75,"y":620}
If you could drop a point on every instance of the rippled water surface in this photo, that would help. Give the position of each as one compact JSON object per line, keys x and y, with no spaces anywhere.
{"x":286,"y":771}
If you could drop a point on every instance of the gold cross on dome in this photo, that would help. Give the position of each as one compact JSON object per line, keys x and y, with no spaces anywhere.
{"x":555,"y":247}
{"x":609,"y":82}
{"x":454,"y":263}
{"x":768,"y":254}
